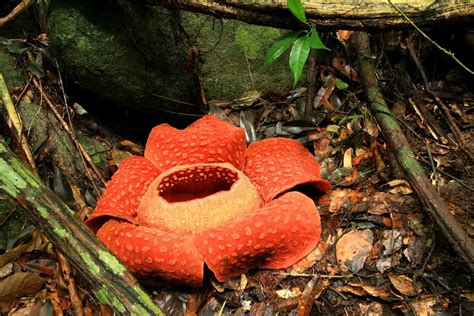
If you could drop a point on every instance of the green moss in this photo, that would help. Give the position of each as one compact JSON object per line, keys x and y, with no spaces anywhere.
{"x":255,"y":40}
{"x":408,"y":159}
{"x":96,"y":150}
{"x":112,"y":262}
{"x":12,"y":75}
{"x":124,"y":58}
{"x":13,"y":218}
{"x":59,"y":231}
{"x":10,"y":181}
{"x":233,"y":53}
{"x":106,"y":297}
{"x":145,"y":298}
{"x":94,"y":268}
{"x":42,"y":212}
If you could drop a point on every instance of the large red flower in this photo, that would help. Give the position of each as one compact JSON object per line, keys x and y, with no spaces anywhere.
{"x":199,"y":196}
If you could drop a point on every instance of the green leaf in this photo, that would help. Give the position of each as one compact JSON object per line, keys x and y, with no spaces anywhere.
{"x":298,"y":56}
{"x":341,"y":85}
{"x":297,"y":9}
{"x":280,"y":46}
{"x":316,"y":40}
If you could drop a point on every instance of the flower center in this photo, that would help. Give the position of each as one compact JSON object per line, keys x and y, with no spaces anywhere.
{"x":192,"y":198}
{"x":196,"y":183}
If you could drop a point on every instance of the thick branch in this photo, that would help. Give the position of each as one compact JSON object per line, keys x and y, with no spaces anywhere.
{"x":108,"y":278}
{"x":341,"y":14}
{"x":398,"y":143}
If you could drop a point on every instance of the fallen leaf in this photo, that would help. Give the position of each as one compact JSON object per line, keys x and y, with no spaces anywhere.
{"x":403,"y":284}
{"x":429,"y":305}
{"x":18,"y":285}
{"x":353,"y":248}
{"x":288,"y":293}
{"x":392,"y":241}
{"x":313,"y":257}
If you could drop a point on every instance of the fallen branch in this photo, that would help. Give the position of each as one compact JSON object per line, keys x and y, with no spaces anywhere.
{"x":15,"y":124}
{"x":330,"y":14}
{"x":108,"y":278}
{"x":406,"y":158}
{"x":19,"y":9}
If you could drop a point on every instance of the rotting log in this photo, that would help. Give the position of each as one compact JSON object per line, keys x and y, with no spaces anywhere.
{"x":406,"y":158}
{"x":109,"y":280}
{"x":339,"y":14}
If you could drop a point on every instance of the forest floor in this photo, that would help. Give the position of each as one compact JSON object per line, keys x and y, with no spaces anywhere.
{"x":379,"y":254}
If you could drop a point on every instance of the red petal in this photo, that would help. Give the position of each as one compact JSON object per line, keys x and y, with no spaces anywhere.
{"x":124,"y":191}
{"x":276,"y":165}
{"x":148,"y":251}
{"x":208,"y":140}
{"x":275,"y":237}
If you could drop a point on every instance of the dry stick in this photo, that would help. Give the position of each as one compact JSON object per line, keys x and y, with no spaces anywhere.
{"x":20,"y":8}
{"x":76,"y":301}
{"x":308,"y":110}
{"x":397,"y":142}
{"x":108,"y":278}
{"x":70,"y":133}
{"x":15,"y":124}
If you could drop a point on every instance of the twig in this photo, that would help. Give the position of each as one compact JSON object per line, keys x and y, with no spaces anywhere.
{"x":447,"y":52}
{"x":249,"y":70}
{"x":68,"y":130}
{"x":71,"y":285}
{"x":20,"y":8}
{"x":15,"y":124}
{"x":308,"y":110}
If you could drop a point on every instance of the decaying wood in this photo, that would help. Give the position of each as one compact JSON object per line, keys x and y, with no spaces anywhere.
{"x":19,"y":9}
{"x":340,"y":14}
{"x":406,"y":158}
{"x":108,"y":278}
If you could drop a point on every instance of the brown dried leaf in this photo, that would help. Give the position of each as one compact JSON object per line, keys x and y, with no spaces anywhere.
{"x":403,"y":284}
{"x":353,"y":248}
{"x":313,"y":257}
{"x":312,"y":291}
{"x":18,"y":285}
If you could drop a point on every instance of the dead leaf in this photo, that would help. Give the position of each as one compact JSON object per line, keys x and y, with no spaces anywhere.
{"x":392,"y":241}
{"x":353,"y":248}
{"x":344,"y":35}
{"x":429,"y":305}
{"x":288,"y":293}
{"x":403,"y":284}
{"x":312,"y":291}
{"x":313,"y":257}
{"x":18,"y":285}
{"x":399,"y":186}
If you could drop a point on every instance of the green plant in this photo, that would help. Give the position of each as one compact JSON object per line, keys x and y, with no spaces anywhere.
{"x":303,"y":41}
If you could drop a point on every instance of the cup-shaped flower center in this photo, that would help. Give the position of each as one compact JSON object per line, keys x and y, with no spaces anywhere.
{"x":192,"y":198}
{"x":196,"y":183}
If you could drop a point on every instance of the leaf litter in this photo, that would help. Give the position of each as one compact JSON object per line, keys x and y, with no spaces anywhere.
{"x":379,"y":251}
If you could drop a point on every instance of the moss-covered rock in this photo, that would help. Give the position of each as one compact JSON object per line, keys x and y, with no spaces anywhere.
{"x":232,"y":55}
{"x":13,"y":218}
{"x":13,"y":77}
{"x":125,"y":53}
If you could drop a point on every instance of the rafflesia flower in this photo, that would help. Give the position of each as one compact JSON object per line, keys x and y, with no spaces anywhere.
{"x":199,"y":196}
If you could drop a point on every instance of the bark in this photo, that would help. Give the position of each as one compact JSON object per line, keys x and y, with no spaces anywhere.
{"x":341,"y":14}
{"x":108,"y":278}
{"x":406,"y":158}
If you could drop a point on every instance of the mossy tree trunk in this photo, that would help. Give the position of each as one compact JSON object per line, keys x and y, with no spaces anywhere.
{"x":108,"y":278}
{"x":340,"y":14}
